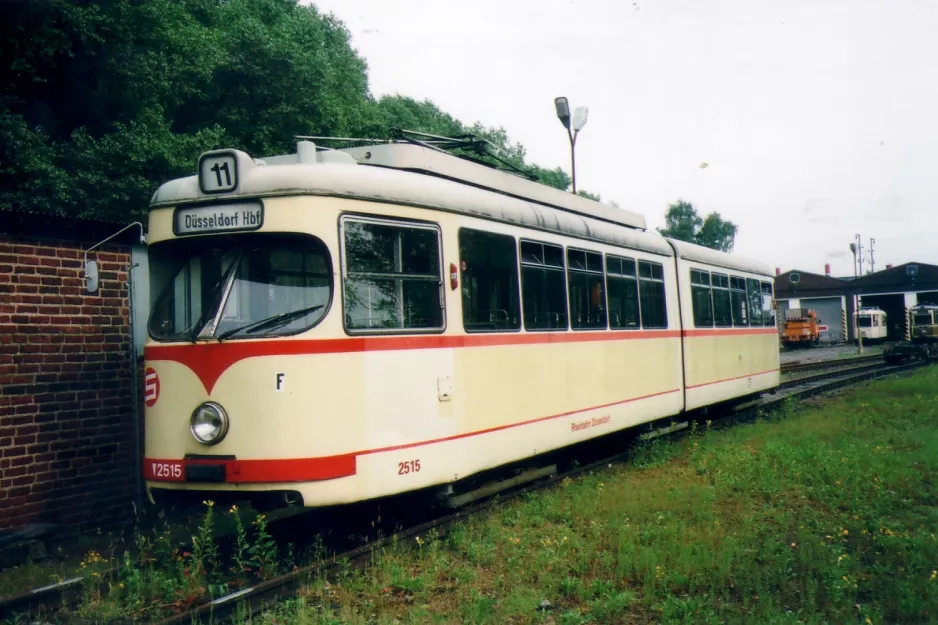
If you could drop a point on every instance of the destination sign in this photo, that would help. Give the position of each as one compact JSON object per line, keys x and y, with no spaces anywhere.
{"x":219,"y":218}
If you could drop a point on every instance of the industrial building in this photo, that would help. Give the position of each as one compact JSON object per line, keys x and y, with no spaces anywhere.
{"x":894,"y":289}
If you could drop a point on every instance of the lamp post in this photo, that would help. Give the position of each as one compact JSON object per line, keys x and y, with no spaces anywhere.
{"x":579,"y":120}
{"x":856,"y":300}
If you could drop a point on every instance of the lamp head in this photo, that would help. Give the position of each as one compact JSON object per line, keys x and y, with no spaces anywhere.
{"x":579,"y":118}
{"x":563,"y":111}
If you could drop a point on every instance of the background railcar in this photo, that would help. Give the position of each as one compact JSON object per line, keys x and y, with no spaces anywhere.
{"x":870,"y":323}
{"x":336,"y":326}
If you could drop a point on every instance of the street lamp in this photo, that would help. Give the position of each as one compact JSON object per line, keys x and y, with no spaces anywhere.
{"x":856,"y":300}
{"x":579,"y":120}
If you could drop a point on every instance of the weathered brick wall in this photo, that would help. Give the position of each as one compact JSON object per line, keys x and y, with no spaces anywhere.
{"x":67,"y":434}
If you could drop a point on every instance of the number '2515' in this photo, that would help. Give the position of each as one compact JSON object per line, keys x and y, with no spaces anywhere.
{"x":410,"y":466}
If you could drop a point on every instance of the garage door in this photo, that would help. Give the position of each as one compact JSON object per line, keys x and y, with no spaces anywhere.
{"x":828,"y":312}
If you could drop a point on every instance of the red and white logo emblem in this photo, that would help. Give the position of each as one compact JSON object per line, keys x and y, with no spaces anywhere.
{"x":151,"y":387}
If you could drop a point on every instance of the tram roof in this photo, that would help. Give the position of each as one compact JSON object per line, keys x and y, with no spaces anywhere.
{"x":708,"y":256}
{"x":417,"y":176}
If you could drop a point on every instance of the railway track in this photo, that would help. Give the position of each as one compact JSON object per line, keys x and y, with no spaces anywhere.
{"x":798,"y":367}
{"x":252,"y":600}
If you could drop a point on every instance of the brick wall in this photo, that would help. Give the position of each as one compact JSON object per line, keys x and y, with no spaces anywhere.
{"x":67,"y":433}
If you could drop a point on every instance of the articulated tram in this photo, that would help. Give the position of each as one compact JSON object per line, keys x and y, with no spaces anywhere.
{"x":333,"y":326}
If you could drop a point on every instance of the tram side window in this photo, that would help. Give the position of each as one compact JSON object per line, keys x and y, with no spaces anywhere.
{"x":755,"y":302}
{"x":722,"y":305}
{"x":622,"y":285}
{"x":393,"y":276}
{"x":651,"y":289}
{"x":740,"y":305}
{"x":701,"y":299}
{"x":543,"y":288}
{"x":768,"y":312}
{"x":489,"y":278}
{"x":587,"y":293}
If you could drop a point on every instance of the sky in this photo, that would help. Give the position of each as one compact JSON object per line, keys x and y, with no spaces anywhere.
{"x":804,"y":122}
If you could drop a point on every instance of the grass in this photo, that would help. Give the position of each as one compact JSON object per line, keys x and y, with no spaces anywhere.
{"x":154,"y":574}
{"x":822,"y":513}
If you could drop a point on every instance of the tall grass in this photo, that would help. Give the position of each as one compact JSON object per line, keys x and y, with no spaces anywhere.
{"x":814,"y":515}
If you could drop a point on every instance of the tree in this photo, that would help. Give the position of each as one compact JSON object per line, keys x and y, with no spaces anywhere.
{"x":683,"y":223}
{"x":100,"y":103}
{"x":717,"y":234}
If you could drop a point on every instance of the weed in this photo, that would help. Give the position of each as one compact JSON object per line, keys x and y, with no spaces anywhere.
{"x":264,"y":549}
{"x":204,"y":557}
{"x":241,"y":557}
{"x":647,"y":454}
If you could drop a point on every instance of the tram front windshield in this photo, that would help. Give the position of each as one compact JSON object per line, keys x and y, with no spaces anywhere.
{"x":866,"y":321}
{"x":238,"y":287}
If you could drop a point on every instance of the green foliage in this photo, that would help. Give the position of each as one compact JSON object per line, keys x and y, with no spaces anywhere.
{"x":587,"y":194}
{"x":717,"y":233}
{"x":682,"y":222}
{"x":557,"y":178}
{"x":100,"y":103}
{"x":159,"y":577}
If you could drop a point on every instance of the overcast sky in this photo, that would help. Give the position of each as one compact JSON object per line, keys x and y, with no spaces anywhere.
{"x":817,"y":119}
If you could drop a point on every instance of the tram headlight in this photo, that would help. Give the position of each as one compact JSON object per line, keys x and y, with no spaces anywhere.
{"x":209,"y":423}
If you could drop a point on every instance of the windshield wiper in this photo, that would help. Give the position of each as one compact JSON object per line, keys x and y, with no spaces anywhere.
{"x":270,"y":322}
{"x":217,"y":292}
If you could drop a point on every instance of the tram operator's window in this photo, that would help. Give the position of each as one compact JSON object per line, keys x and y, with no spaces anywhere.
{"x":393,"y":277}
{"x":701,"y":298}
{"x":587,"y":294}
{"x":722,"y":306}
{"x":768,"y":313}
{"x":264,"y":284}
{"x":489,"y":279}
{"x":543,"y":288}
{"x":274,"y":280}
{"x":755,"y":302}
{"x":740,"y":305}
{"x":622,"y":284}
{"x":651,"y":288}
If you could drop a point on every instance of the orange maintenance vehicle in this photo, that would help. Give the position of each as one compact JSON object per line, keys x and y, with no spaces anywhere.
{"x":802,"y":328}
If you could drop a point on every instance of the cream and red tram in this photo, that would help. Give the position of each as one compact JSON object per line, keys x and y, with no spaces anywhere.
{"x":335,"y":326}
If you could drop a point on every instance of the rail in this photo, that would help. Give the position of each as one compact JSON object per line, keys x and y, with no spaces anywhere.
{"x":795,"y":367}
